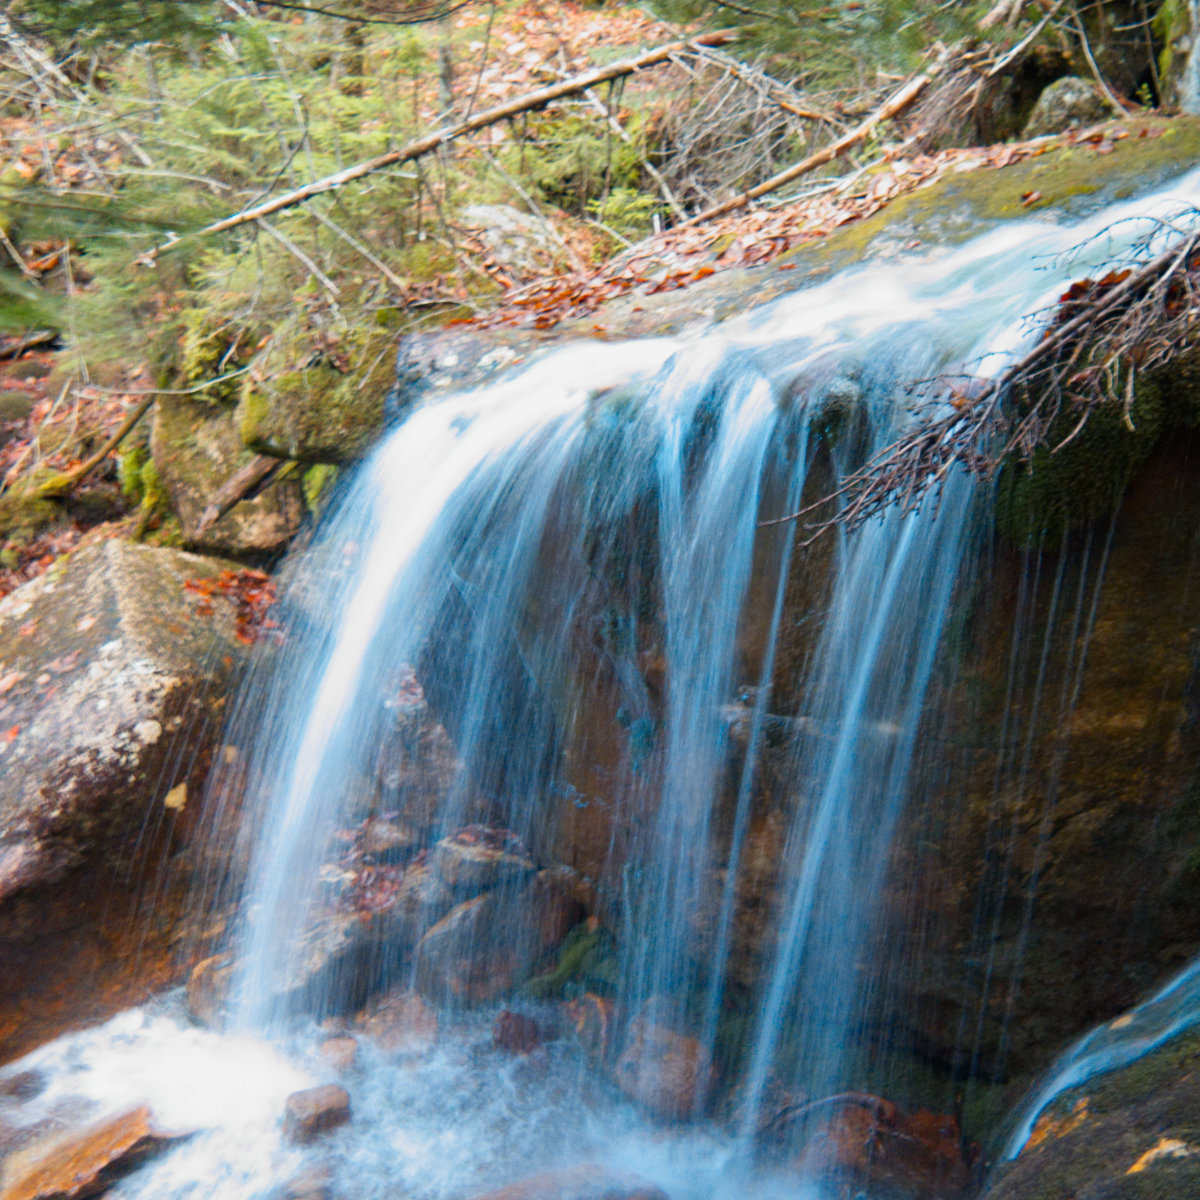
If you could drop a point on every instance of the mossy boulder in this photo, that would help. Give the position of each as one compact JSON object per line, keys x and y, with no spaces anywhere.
{"x":1132,"y":1134}
{"x":317,"y":404}
{"x":196,"y":449}
{"x":1068,"y":103}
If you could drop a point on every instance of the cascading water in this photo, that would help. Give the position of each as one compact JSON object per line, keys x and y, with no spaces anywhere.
{"x":573,"y":563}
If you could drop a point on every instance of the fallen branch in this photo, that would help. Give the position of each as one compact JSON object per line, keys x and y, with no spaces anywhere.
{"x":58,"y":485}
{"x":40,"y":337}
{"x":245,"y":484}
{"x":440,"y":137}
{"x":1133,"y":316}
{"x":892,"y":107}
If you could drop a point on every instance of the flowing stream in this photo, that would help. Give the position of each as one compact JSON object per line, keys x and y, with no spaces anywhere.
{"x":573,"y":563}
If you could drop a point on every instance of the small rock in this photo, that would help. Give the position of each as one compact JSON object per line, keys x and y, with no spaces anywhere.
{"x":84,"y":1161}
{"x":22,"y":1085}
{"x":208,"y":990}
{"x":314,"y":1111}
{"x":399,"y":1023}
{"x":587,"y":1182}
{"x":388,"y":839}
{"x":515,"y":1033}
{"x":310,"y":1184}
{"x":341,"y":1053}
{"x":478,"y":858}
{"x":667,"y":1072}
{"x":1067,"y":103}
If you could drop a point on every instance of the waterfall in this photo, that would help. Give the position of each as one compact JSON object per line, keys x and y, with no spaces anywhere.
{"x":575,"y":571}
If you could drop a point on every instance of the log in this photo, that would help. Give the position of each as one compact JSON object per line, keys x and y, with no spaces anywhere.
{"x":492,"y":116}
{"x":891,"y":107}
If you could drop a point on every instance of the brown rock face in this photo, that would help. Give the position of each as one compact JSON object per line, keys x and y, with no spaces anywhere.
{"x":315,"y":1111}
{"x":515,"y":1033}
{"x":83,"y":1162}
{"x":108,"y":668}
{"x":667,"y":1072}
{"x":579,"y":1183}
{"x":484,"y":946}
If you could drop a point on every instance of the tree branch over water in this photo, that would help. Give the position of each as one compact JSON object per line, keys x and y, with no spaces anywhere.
{"x":1103,"y":334}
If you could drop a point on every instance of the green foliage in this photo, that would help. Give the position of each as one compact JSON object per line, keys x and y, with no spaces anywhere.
{"x":127,"y":22}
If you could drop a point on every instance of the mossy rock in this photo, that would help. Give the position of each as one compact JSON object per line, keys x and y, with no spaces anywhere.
{"x":1060,"y":489}
{"x":196,"y":449}
{"x":1133,"y":1134}
{"x":330,"y":410}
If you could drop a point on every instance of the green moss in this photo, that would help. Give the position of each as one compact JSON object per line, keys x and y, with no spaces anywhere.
{"x":1058,"y":490}
{"x":327,"y":412}
{"x":587,"y":962}
{"x":210,"y":348}
{"x":129,"y":473}
{"x":316,"y":486}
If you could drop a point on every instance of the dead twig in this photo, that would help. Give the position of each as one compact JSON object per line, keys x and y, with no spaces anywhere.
{"x":892,"y":107}
{"x":1142,"y":318}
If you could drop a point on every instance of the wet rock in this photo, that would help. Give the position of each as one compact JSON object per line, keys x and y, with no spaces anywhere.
{"x":446,"y":360}
{"x":400,"y":1022}
{"x":311,"y":1184}
{"x":315,"y":1111}
{"x":1128,"y":1135}
{"x":207,"y":990}
{"x":477,"y":858}
{"x":105,"y":663}
{"x":196,"y":449}
{"x":484,"y":946}
{"x":1068,"y":103}
{"x":586,"y":1182}
{"x":340,"y":1053}
{"x":22,"y":1085}
{"x":666,"y":1072}
{"x":417,"y":764}
{"x":515,"y":1033}
{"x":389,"y":839}
{"x":84,"y":1161}
{"x":889,"y":1152}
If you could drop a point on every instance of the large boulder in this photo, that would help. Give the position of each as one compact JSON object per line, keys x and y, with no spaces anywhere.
{"x":114,"y":671}
{"x":1132,"y":1134}
{"x":1068,"y":103}
{"x":106,"y":663}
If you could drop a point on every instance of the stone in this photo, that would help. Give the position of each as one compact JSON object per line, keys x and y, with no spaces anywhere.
{"x":106,"y":663}
{"x":1130,"y":1134}
{"x":886,"y":1151}
{"x":310,"y":1184}
{"x":399,"y":1022}
{"x":1067,"y":103}
{"x":340,"y":1053}
{"x":518,"y":242}
{"x":388,"y":839}
{"x":483,"y":947}
{"x":315,"y":1111}
{"x":515,"y":1033}
{"x":22,"y":1085}
{"x":417,"y":764}
{"x":196,"y":449}
{"x":586,"y":1182}
{"x":666,"y":1072}
{"x":478,"y":858}
{"x":207,"y":990}
{"x":313,"y":402}
{"x":83,"y":1161}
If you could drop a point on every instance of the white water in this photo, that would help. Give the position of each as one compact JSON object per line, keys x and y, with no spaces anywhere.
{"x":446,"y":531}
